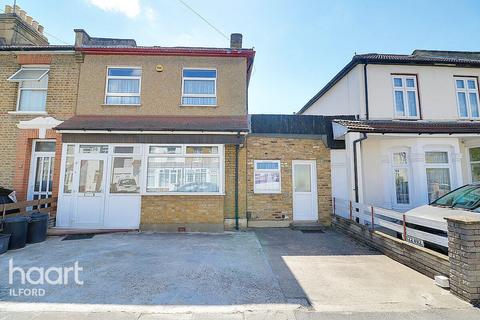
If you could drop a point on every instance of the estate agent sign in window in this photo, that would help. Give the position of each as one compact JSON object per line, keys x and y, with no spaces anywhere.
{"x":267,"y":176}
{"x":123,"y":86}
{"x":32,"y":88}
{"x":199,"y":87}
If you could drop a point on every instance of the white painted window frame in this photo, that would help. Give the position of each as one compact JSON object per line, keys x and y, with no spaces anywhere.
{"x":31,"y":175}
{"x":45,"y":68}
{"x":118,"y":94}
{"x":470,"y":162}
{"x":448,"y":166}
{"x":255,"y":170}
{"x":467,"y":92}
{"x":194,"y":95}
{"x":409,"y":174}
{"x":405,"y":91}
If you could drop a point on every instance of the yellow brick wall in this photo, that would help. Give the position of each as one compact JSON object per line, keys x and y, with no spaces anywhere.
{"x":61,"y":101}
{"x":274,"y":206}
{"x":181,"y":209}
{"x":229,"y":207}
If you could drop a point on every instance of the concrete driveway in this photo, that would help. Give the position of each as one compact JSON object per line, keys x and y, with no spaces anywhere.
{"x":336,"y":273}
{"x":265,"y":269}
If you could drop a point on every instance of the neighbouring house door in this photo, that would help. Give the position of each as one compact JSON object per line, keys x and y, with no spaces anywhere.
{"x":41,"y":169}
{"x":90,"y":190}
{"x":304,"y":175}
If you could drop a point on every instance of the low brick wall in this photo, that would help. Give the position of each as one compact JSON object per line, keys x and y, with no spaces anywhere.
{"x":194,"y":213}
{"x":425,"y":261}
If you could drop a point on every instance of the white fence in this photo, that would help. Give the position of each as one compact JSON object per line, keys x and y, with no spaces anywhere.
{"x":378,"y":218}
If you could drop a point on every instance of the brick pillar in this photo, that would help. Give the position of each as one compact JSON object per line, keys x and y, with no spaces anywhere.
{"x":464,"y":256}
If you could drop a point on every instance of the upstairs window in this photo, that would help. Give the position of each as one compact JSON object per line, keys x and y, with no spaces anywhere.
{"x":467,"y":97}
{"x":32,"y":88}
{"x":405,"y":96}
{"x":123,"y":86}
{"x":199,"y":87}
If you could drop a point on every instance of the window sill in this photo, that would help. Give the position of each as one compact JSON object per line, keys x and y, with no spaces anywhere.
{"x":266,"y":193}
{"x":199,"y":105}
{"x":26,"y":112}
{"x":406,"y":118}
{"x":120,"y":105}
{"x":182,"y":194}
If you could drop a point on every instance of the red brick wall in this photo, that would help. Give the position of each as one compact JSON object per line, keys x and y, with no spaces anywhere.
{"x":34,"y":59}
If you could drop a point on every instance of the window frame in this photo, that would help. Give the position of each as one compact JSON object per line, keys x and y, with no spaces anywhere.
{"x":255,"y":170}
{"x":448,"y":165}
{"x":467,"y":92}
{"x":195,"y":95}
{"x":470,"y":162}
{"x":20,"y":82}
{"x":404,"y":89}
{"x":220,"y":155}
{"x":409,"y":175}
{"x":139,"y":94}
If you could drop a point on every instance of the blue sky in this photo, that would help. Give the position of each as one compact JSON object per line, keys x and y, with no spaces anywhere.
{"x":300,"y":44}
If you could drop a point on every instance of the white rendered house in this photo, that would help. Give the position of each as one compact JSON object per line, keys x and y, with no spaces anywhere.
{"x":415,"y":128}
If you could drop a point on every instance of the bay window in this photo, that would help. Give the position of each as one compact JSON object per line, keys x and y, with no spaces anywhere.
{"x":123,"y":86}
{"x":467,"y":97}
{"x":199,"y":87}
{"x":267,"y":176}
{"x":184,"y":169}
{"x":438,"y":174}
{"x":474,"y":154}
{"x":405,"y":96}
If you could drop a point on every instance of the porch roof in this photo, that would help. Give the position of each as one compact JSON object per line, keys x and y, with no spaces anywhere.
{"x":155,"y":123}
{"x":412,"y":126}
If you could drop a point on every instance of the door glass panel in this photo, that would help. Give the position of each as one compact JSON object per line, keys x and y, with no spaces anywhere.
{"x":38,"y":174}
{"x":45,"y":175}
{"x":91,"y":176}
{"x":45,"y":146}
{"x":50,"y":175}
{"x":68,"y":179}
{"x":125,"y":175}
{"x":302,"y":178}
{"x":401,"y":185}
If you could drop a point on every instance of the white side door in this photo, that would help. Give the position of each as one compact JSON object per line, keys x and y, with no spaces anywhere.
{"x":90,"y":190}
{"x":41,"y":169}
{"x":304,"y":184}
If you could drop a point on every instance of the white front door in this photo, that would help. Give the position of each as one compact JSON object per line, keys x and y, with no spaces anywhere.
{"x":90,"y":190}
{"x":304,"y":175}
{"x":41,"y":169}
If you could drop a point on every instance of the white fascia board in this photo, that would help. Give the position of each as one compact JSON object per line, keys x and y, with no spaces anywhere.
{"x":152,"y":132}
{"x":423,"y":135}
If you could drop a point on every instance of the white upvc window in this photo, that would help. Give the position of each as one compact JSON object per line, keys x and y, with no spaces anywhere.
{"x":184,"y":169}
{"x":437,"y":166}
{"x":467,"y":97}
{"x":267,"y":176}
{"x":401,"y":177}
{"x":405,"y":96}
{"x":474,"y":158}
{"x":199,"y":87}
{"x":32,"y":88}
{"x":123,"y":86}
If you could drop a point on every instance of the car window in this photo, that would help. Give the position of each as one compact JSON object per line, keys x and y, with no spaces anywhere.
{"x":467,"y":197}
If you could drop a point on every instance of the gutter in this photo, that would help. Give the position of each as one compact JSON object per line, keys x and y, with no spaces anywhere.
{"x":355,"y":165}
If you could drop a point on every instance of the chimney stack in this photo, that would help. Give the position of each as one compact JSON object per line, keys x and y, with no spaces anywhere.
{"x":18,"y":28}
{"x":236,"y":41}
{"x":8,"y":9}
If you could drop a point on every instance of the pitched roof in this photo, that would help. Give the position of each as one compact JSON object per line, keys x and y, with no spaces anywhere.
{"x":420,"y":127}
{"x":418,"y":57}
{"x":156,"y":123}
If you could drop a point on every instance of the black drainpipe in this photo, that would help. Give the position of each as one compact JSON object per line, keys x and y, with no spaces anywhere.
{"x":355,"y":169}
{"x":236,"y":186}
{"x":366,"y":89}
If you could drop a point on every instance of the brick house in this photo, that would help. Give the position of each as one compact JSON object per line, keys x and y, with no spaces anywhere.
{"x":155,"y":138}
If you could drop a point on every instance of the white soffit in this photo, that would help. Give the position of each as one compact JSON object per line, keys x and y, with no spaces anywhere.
{"x":339,"y":131}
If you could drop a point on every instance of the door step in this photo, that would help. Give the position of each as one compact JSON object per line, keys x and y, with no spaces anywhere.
{"x":306,"y":226}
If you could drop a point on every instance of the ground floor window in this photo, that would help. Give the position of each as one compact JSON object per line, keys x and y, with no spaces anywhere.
{"x":267,"y":176}
{"x":438,"y":174}
{"x":475,"y":163}
{"x":401,"y":177}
